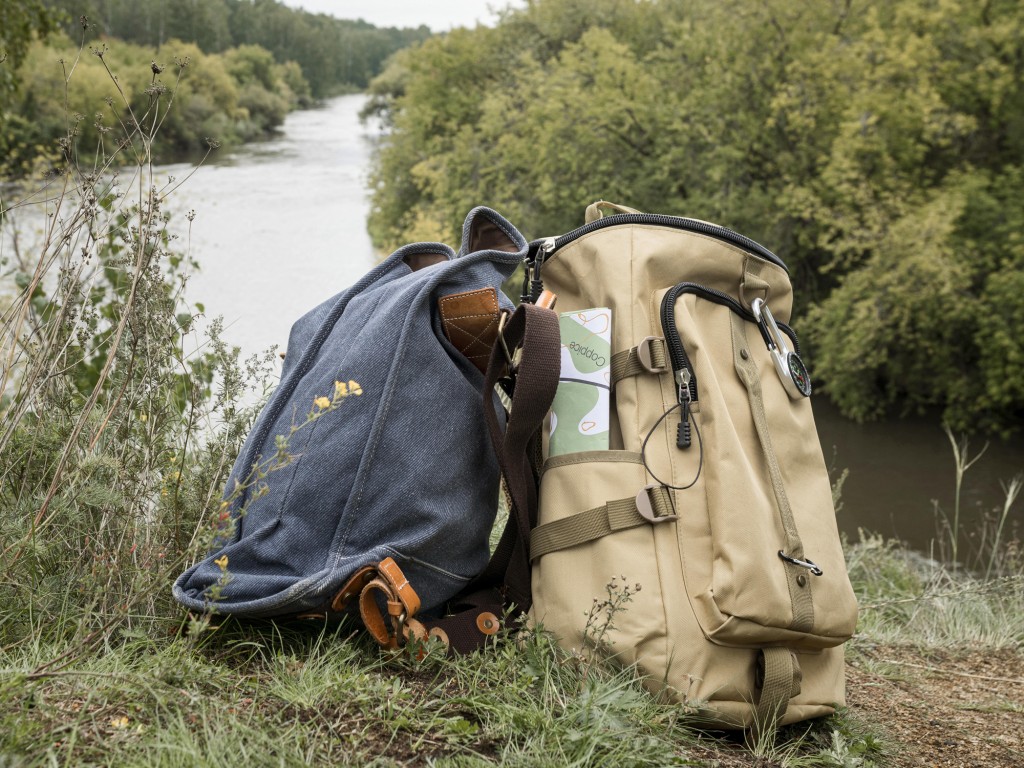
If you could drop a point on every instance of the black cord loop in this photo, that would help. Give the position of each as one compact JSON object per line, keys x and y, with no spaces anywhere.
{"x":700,"y":445}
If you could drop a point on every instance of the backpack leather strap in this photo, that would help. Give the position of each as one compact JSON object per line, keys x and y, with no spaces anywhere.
{"x":533,"y":330}
{"x":390,"y":586}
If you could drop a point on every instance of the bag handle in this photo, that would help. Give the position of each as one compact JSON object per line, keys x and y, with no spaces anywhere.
{"x":596,"y":210}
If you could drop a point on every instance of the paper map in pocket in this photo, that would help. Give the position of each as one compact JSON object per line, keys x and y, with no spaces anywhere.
{"x":580,"y":411}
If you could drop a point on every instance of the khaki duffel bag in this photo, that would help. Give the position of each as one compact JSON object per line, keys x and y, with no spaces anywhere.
{"x":714,"y":496}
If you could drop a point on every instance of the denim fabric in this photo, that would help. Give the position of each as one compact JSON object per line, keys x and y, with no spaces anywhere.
{"x":404,"y":470}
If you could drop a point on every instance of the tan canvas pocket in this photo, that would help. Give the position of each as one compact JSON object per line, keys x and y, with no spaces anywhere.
{"x":569,"y":581}
{"x":749,"y":506}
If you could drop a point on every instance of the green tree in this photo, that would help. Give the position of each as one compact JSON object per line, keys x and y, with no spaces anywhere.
{"x":877,"y":147}
{"x":20,"y":22}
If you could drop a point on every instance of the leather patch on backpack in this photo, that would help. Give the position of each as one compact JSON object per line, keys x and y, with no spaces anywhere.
{"x":470,"y":322}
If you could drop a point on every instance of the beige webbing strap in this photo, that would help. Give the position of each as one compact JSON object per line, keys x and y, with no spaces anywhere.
{"x":796,"y":577}
{"x":779,"y":677}
{"x":647,"y":357}
{"x":617,"y":515}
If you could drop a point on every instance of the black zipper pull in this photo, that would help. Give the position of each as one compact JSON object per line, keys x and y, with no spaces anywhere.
{"x":536,"y":283}
{"x":683,"y":436}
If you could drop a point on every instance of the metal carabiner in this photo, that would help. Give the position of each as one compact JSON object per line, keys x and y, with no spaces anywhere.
{"x":788,"y":365}
{"x":808,"y":564}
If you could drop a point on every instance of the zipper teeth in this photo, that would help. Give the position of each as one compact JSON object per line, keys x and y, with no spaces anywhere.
{"x":678,"y":222}
{"x":676,"y":350}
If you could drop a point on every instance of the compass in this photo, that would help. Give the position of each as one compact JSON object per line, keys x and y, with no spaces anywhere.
{"x":791,"y":369}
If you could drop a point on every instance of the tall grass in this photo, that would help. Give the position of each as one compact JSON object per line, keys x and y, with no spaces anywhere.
{"x":118,"y":423}
{"x":957,"y":596}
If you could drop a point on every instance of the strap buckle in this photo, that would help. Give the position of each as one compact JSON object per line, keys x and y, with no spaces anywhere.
{"x":644,"y":355}
{"x":645,"y":506}
{"x":511,"y":357}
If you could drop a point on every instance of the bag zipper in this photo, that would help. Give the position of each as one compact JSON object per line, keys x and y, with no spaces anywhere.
{"x":677,"y":222}
{"x":682,"y":368}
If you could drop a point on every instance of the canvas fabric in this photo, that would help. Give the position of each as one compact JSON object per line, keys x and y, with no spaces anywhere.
{"x":721,"y":622}
{"x":404,"y":470}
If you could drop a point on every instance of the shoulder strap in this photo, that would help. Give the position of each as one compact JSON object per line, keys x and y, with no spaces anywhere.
{"x":533,"y":331}
{"x":525,"y":361}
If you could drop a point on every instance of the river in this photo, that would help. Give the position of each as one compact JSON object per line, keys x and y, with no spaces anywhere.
{"x":281,"y":225}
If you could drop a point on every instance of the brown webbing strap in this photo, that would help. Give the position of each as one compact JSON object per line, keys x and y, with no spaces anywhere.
{"x":649,"y":357}
{"x":779,"y":677}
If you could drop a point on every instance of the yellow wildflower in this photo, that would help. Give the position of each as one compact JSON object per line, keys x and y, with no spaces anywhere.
{"x":322,"y":403}
{"x":119,"y":722}
{"x":354,"y":388}
{"x":340,"y":390}
{"x":222,"y":562}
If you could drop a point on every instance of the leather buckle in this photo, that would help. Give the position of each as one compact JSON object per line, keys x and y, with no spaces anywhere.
{"x":646,"y":508}
{"x":644,"y":356}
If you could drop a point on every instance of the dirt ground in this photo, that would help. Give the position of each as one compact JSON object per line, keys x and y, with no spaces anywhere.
{"x":935,"y":710}
{"x":944,"y":709}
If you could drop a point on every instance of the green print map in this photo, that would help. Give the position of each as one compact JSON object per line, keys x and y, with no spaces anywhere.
{"x":580,"y":411}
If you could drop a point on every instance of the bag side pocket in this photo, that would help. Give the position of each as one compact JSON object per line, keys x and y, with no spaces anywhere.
{"x":593,"y":545}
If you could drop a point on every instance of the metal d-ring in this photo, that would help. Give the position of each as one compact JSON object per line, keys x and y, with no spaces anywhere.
{"x":509,"y":357}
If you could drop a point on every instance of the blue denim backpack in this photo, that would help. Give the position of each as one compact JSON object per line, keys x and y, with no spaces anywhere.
{"x":369,"y":482}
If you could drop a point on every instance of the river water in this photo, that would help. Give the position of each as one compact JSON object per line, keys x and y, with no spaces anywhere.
{"x":280,"y":226}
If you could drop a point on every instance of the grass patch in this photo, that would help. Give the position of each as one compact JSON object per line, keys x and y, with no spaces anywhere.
{"x":281,"y":696}
{"x":906,"y":598}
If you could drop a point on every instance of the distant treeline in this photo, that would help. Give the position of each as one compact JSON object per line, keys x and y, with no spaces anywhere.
{"x":334,"y":54}
{"x":877,"y":146}
{"x":233,"y":68}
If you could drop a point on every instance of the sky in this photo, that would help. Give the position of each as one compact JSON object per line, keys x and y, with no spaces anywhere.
{"x":439,"y":15}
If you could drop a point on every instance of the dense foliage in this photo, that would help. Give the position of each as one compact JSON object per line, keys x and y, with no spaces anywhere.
{"x":334,"y":53}
{"x":878,"y":147}
{"x":19,"y":21}
{"x":235,"y":96}
{"x":249,"y":63}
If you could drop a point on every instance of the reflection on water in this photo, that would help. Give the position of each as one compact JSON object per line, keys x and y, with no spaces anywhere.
{"x":281,"y":225}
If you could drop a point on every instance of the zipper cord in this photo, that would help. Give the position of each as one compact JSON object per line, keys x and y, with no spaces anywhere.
{"x":700,"y":443}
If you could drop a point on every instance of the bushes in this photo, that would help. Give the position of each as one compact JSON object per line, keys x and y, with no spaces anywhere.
{"x":875,"y":146}
{"x":232,"y":97}
{"x":118,"y":432}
